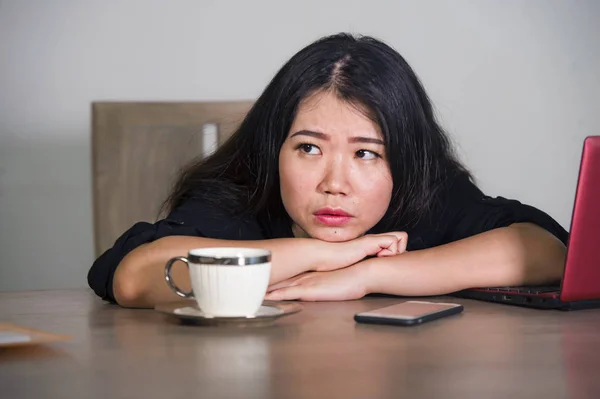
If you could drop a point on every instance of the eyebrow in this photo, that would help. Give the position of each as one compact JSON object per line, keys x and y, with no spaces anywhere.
{"x":323,"y":136}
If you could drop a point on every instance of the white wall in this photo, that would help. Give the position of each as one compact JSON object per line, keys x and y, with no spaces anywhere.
{"x":515,"y":82}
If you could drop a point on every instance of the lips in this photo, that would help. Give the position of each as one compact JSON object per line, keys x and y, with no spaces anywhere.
{"x":332,"y":212}
{"x":332,"y":217}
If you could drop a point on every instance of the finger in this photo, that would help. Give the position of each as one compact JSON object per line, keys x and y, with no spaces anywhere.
{"x":290,"y":282}
{"x":390,"y":251}
{"x":400,"y":235}
{"x":394,"y":246}
{"x":282,"y":284}
{"x":386,"y":252}
{"x":286,"y":294}
{"x":402,"y":240}
{"x":389,"y":248}
{"x":402,"y":243}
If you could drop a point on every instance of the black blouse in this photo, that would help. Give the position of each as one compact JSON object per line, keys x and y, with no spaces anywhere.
{"x":462,"y":211}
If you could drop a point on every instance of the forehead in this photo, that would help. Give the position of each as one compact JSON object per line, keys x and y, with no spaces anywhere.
{"x":326,"y":113}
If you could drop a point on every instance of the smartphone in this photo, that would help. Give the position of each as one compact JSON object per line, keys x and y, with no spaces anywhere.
{"x":409,"y":313}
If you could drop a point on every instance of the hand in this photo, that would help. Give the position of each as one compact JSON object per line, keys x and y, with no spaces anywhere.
{"x":338,"y":285}
{"x":347,"y":253}
{"x":386,"y":244}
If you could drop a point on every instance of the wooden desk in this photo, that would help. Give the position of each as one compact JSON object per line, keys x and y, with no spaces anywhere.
{"x":490,"y":351}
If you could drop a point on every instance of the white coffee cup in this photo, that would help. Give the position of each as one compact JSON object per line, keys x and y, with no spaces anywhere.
{"x":226,"y":282}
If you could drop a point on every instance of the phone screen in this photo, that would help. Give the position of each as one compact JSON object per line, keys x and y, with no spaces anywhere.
{"x":410,"y":309}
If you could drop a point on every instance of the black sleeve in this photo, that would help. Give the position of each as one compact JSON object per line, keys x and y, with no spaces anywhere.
{"x":193,"y":218}
{"x":471,"y":212}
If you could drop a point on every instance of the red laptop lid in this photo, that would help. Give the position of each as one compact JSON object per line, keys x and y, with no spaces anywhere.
{"x":582,"y":270}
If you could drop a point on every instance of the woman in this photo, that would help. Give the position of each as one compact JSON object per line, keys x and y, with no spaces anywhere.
{"x":339,"y":167}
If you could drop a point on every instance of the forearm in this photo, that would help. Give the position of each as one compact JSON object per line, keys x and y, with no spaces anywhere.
{"x":139,"y":279}
{"x":520,"y":254}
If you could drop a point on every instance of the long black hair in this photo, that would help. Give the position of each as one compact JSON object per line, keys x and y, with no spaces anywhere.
{"x":242,"y":175}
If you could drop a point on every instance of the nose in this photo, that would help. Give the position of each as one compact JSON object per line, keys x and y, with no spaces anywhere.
{"x":335,"y":180}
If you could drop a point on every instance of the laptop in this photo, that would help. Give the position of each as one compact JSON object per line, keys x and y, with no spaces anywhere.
{"x":580,"y":285}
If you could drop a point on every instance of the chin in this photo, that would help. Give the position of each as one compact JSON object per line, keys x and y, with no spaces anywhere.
{"x":333,"y":234}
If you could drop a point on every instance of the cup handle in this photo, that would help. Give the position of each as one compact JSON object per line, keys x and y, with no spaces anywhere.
{"x":170,"y":281}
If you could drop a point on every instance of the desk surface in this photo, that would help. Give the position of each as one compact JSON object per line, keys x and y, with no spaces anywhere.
{"x":489,"y":351}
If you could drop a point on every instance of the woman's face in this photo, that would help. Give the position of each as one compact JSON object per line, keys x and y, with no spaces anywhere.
{"x":335,"y":178}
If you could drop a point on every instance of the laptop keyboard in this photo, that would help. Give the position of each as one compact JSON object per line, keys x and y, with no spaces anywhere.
{"x":524,"y":290}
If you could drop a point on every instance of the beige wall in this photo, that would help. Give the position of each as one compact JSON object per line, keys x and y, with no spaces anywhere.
{"x":515,"y":82}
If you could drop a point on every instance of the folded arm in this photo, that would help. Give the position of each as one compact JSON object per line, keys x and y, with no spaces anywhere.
{"x":519,"y":254}
{"x":139,"y":279}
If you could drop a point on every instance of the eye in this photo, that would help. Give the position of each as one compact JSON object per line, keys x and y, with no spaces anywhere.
{"x":366,"y":154}
{"x":309,"y":149}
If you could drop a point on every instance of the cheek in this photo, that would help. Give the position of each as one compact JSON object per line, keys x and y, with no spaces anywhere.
{"x":294,"y":182}
{"x":375,"y":192}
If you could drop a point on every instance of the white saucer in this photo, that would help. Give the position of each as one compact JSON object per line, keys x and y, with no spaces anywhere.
{"x":188,"y":312}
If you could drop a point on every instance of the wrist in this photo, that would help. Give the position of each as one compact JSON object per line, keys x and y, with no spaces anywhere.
{"x":387,"y":275}
{"x":324,"y":255}
{"x":328,"y":255}
{"x":372,"y":270}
